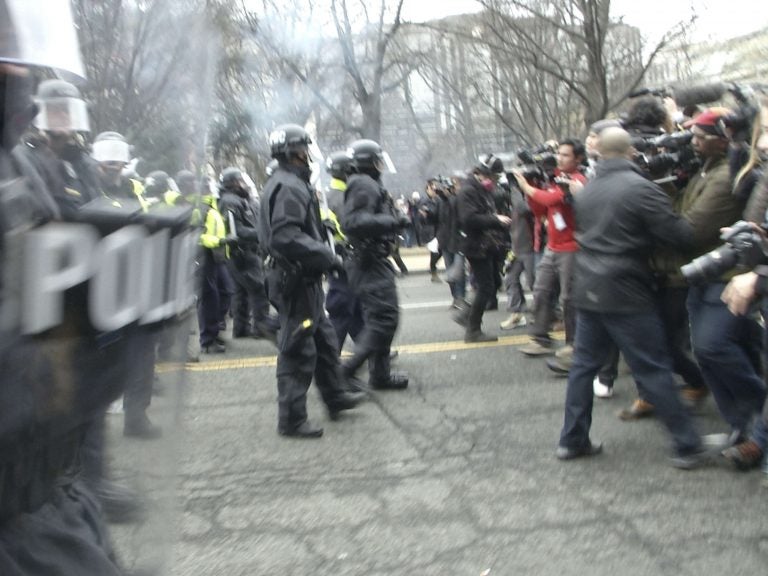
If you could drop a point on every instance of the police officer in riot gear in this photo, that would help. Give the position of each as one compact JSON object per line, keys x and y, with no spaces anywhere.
{"x":56,"y":147}
{"x":241,"y":219}
{"x":344,"y":309}
{"x":371,"y":223}
{"x":113,"y":153}
{"x":292,"y":234}
{"x":339,"y":166}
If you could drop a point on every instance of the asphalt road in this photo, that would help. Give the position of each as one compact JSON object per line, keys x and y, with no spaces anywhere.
{"x":455,"y":476}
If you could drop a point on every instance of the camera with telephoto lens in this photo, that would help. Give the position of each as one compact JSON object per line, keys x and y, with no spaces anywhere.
{"x":743,"y":248}
{"x":538,"y":164}
{"x":666,"y":153}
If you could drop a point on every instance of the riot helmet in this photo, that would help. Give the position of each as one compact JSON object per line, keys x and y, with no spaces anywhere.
{"x":111,"y":147}
{"x":368,"y":158}
{"x":61,"y":108}
{"x":186,"y":182}
{"x":157,"y":183}
{"x":231,"y":177}
{"x":339,"y":165}
{"x":290,"y":140}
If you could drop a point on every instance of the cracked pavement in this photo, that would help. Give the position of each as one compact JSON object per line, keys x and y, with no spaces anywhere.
{"x":455,"y":476}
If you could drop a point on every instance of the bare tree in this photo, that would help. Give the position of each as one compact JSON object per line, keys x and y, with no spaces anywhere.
{"x":599,"y":61}
{"x":148,"y":67}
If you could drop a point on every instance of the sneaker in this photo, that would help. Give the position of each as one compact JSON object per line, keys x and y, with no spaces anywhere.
{"x":559,"y":366}
{"x":744,"y":456}
{"x":602,"y":390}
{"x":691,"y":461}
{"x":639,"y":409}
{"x":515,"y":320}
{"x":565,"y":353}
{"x":537,"y":349}
{"x":459,"y":304}
{"x":591,"y":449}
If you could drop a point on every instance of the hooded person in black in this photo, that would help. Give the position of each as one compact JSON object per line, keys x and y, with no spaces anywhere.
{"x":482,"y":241}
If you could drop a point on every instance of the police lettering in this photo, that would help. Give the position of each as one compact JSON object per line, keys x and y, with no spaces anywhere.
{"x":132,"y":276}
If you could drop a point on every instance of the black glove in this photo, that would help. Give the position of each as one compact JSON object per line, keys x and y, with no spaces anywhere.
{"x":228,"y":240}
{"x":329,"y":224}
{"x":403,"y":222}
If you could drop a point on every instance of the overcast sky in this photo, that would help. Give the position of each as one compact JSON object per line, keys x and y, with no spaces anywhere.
{"x":718,"y":19}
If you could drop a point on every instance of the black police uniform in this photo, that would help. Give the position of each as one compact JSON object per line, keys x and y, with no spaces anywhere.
{"x":292,"y":233}
{"x":370,"y":224}
{"x":250,"y":306}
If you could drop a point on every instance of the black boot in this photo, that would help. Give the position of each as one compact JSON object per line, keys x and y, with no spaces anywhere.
{"x":304,"y":430}
{"x":472,"y":336}
{"x":394,"y":382}
{"x":344,"y":401}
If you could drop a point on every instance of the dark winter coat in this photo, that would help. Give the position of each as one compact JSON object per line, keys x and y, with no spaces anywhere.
{"x":620,"y":217}
{"x":478,"y":222}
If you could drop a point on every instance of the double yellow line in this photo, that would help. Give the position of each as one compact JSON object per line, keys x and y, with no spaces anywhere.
{"x":426,"y":348}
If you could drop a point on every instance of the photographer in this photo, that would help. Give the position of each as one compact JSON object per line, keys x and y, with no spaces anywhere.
{"x":556,"y":267}
{"x":477,"y":220}
{"x":739,"y":295}
{"x":649,"y":121}
{"x":745,"y":289}
{"x":727,"y":347}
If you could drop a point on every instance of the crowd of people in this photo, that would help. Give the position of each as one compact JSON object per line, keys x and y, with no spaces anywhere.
{"x":602,"y":232}
{"x":623,"y":250}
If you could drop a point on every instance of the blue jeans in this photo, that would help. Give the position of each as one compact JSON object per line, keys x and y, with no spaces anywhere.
{"x":515,"y":294}
{"x":640,"y":337}
{"x":458,"y":289}
{"x":728,"y":350}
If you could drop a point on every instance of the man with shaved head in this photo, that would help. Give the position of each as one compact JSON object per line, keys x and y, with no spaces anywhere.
{"x":620,"y":217}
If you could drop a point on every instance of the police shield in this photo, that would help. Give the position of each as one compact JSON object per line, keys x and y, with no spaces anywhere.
{"x":95,"y":320}
{"x":28,"y":40}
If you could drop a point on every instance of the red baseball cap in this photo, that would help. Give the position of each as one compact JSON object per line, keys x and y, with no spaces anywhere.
{"x":711,"y":121}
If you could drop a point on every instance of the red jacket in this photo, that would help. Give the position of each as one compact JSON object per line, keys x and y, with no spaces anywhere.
{"x":561,"y":224}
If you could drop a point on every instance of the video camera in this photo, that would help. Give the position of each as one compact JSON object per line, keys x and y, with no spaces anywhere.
{"x":538,"y":164}
{"x":670,"y":154}
{"x":739,"y":121}
{"x":743,"y":248}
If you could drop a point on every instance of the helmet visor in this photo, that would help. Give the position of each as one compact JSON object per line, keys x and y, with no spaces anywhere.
{"x":65,"y":114}
{"x":384,"y":164}
{"x":39,"y":33}
{"x":315,"y":160}
{"x":111,"y":151}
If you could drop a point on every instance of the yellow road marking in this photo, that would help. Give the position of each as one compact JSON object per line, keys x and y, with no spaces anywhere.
{"x":426,"y":348}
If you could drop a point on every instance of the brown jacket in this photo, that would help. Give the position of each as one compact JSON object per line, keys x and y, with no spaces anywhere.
{"x":708,"y":203}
